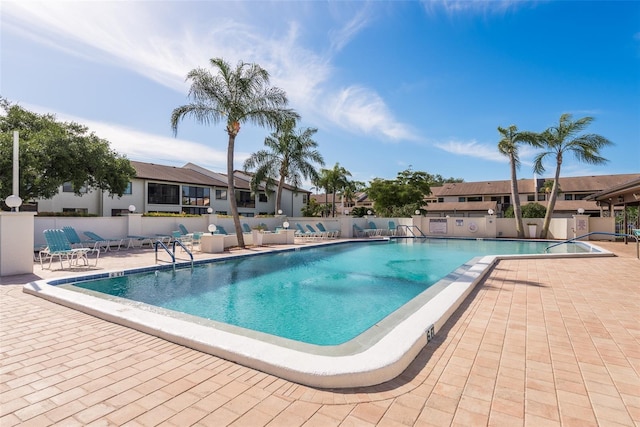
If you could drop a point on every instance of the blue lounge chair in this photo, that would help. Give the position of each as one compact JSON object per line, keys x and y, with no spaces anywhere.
{"x":101,"y":242}
{"x":220,"y":230}
{"x":332,"y":234}
{"x":301,"y":232}
{"x":59,"y":246}
{"x":373,"y":229}
{"x":392,"y":228}
{"x":359,"y":231}
{"x":183,"y":229}
{"x":316,"y":233}
{"x":246,"y":228}
{"x":74,"y":239}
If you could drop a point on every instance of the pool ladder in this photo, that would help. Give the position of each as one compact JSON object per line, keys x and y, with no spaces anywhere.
{"x":599,"y":232}
{"x":172,"y":253}
{"x":409,"y":229}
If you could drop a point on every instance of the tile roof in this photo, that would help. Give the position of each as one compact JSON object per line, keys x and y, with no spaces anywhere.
{"x":174,"y":174}
{"x":581,"y":184}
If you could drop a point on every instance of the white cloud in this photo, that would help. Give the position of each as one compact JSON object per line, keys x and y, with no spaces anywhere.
{"x":146,"y":147}
{"x":453,"y":7}
{"x":359,"y":107}
{"x":164,"y":40}
{"x":473,"y":149}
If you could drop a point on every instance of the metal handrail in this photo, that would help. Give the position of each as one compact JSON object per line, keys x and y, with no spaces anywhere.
{"x":184,"y":248}
{"x":410,"y":228}
{"x":172,"y":254}
{"x":599,"y":232}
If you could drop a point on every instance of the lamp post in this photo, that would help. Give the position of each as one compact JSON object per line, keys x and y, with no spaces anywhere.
{"x":13,"y":202}
{"x":212,"y":228}
{"x":209,"y":210}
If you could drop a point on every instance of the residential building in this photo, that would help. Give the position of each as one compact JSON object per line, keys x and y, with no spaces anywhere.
{"x":477,"y":198}
{"x":190,"y":189}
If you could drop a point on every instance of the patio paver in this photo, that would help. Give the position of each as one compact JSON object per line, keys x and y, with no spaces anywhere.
{"x":538,"y":342}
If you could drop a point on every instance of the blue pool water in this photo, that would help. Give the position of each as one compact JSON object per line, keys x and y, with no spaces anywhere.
{"x":325,"y":295}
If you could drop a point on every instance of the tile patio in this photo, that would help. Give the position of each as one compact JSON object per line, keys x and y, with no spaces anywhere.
{"x":538,"y":342}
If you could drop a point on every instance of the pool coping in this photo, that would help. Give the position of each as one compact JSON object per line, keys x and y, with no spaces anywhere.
{"x":383,"y":360}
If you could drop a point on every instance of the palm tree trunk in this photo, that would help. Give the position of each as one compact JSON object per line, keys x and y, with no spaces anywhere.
{"x":517,"y":211}
{"x":552,"y":202}
{"x":232,"y":191}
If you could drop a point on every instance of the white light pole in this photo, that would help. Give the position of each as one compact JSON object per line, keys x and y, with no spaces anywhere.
{"x":14,"y":201}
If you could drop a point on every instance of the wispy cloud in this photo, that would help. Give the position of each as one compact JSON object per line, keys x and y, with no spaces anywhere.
{"x":147,"y":147}
{"x":164,"y":40}
{"x":359,"y":107}
{"x":454,"y":7}
{"x":472,"y":149}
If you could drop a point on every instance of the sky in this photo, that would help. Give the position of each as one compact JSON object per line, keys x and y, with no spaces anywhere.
{"x":389,"y":85}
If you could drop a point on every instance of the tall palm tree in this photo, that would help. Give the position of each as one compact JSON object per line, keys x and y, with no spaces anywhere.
{"x":508,"y":146}
{"x":561,"y":139}
{"x":233,"y":96}
{"x":335,"y":180}
{"x":290,"y":156}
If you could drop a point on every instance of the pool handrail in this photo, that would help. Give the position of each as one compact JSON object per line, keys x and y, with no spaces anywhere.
{"x":172,"y":254}
{"x":409,"y":228}
{"x":599,"y":232}
{"x":178,"y":242}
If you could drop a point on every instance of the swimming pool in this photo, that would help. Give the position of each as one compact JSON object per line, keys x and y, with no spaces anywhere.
{"x":394,"y":296}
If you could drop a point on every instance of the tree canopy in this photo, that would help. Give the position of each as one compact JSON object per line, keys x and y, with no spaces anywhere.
{"x":400,"y":196}
{"x":52,"y":153}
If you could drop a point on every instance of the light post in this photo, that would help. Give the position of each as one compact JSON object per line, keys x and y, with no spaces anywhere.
{"x":132,"y":208}
{"x":13,"y":202}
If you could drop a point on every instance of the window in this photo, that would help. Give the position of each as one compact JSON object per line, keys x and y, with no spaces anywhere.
{"x":128,"y":189}
{"x":119,"y":212}
{"x":440,"y":199}
{"x":305,"y":198}
{"x":568,"y":196}
{"x":163,"y":194}
{"x":262,"y":197}
{"x":195,"y":196}
{"x":76,"y":210}
{"x":579,"y":196}
{"x":67,"y":187}
{"x":462,"y":199}
{"x":194,"y":211}
{"x":221,"y":194}
{"x":474,"y":199}
{"x":245,"y":200}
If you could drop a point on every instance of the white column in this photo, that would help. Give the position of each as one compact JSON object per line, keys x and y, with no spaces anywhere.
{"x":16,"y":243}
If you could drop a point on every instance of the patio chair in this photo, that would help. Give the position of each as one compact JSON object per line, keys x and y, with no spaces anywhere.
{"x":59,"y":246}
{"x":74,"y":238}
{"x":183,"y":229}
{"x":316,"y":233}
{"x":301,"y":232}
{"x":392,"y":228}
{"x":373,"y":229}
{"x":359,"y":231}
{"x":220,"y":230}
{"x":331,"y":234}
{"x":101,"y":242}
{"x":246,"y":228}
{"x":187,"y":241}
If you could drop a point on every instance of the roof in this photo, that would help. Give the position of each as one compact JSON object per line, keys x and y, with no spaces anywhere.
{"x":174,"y":174}
{"x":582,"y":184}
{"x":194,"y":174}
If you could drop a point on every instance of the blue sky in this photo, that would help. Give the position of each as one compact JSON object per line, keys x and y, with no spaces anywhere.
{"x":388,"y":84}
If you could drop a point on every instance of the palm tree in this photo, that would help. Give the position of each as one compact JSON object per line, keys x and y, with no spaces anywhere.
{"x":508,"y":146}
{"x":561,"y":139}
{"x":290,"y":155}
{"x":324,"y":181}
{"x":335,"y":180}
{"x":234,"y":96}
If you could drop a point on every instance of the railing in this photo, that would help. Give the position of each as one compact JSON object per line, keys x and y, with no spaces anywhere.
{"x":172,"y":253}
{"x":410,"y":228}
{"x":599,"y":232}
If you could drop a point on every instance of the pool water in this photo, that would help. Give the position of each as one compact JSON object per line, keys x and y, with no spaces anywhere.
{"x":324,"y":295}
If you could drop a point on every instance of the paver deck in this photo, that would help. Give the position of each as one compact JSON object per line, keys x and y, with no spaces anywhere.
{"x":538,"y":342}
